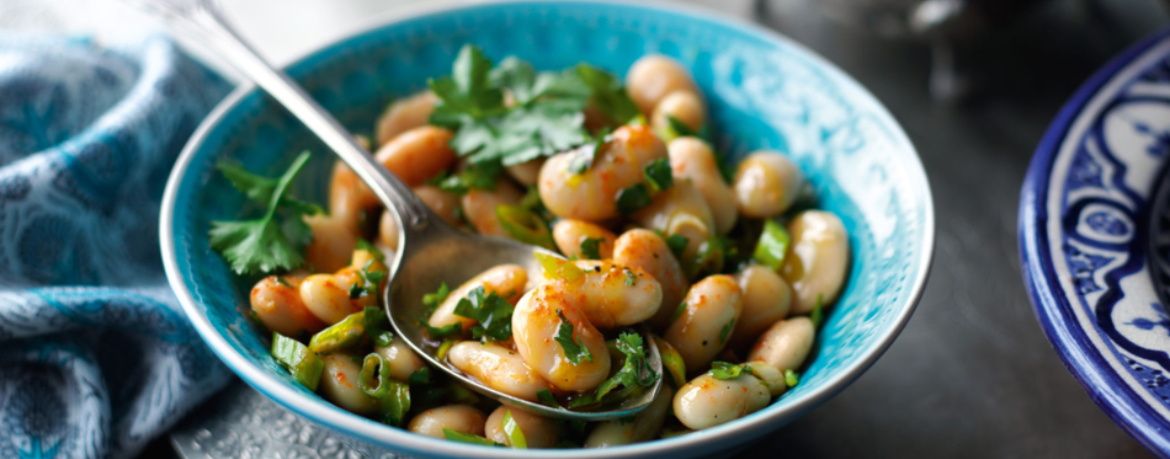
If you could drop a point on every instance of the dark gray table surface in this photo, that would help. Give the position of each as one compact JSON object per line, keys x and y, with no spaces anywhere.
{"x":971,"y":375}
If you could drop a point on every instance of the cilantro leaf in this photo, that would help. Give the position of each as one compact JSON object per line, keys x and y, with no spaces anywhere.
{"x":609,"y":95}
{"x":680,"y":128}
{"x":261,"y":245}
{"x":363,"y":244}
{"x":791,"y":378}
{"x":591,"y":248}
{"x":725,"y":332}
{"x":634,"y":374}
{"x":658,"y":175}
{"x":369,"y":282}
{"x":547,"y":398}
{"x":677,"y":244}
{"x":260,"y":189}
{"x":631,"y":278}
{"x":420,"y":377}
{"x":574,"y":351}
{"x":492,"y":312}
{"x":632,"y":198}
{"x":433,"y":300}
{"x":723,"y":370}
{"x":478,"y":177}
{"x":467,"y":91}
{"x":441,"y":332}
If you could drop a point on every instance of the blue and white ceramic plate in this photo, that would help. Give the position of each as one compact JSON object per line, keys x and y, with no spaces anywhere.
{"x":764,"y":92}
{"x":1095,"y":239}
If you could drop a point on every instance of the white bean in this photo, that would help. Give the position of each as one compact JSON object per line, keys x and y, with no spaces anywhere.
{"x":766,"y":184}
{"x":404,"y":115}
{"x":535,"y":323}
{"x":569,"y":234}
{"x":702,"y":329}
{"x":339,"y":384}
{"x":693,"y":159}
{"x":480,"y":207}
{"x":817,"y":260}
{"x":277,"y":303}
{"x":459,"y":418}
{"x":612,"y":295}
{"x":644,"y":427}
{"x":418,"y":154}
{"x":771,"y":376}
{"x":333,"y":242}
{"x":539,"y":432}
{"x":498,"y":368}
{"x":654,"y":76}
{"x":526,"y":173}
{"x":639,"y":248}
{"x":786,"y":344}
{"x":592,"y":195}
{"x":326,"y":298}
{"x":680,"y":211}
{"x":707,"y":402}
{"x":401,"y":358}
{"x":504,"y":280}
{"x":766,"y":299}
{"x":685,"y":107}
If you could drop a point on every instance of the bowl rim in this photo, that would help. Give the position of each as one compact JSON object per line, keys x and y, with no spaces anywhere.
{"x":732,"y":433}
{"x":1049,"y":304}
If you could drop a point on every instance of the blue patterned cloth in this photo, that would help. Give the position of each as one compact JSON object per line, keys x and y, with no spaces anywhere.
{"x":96,"y":357}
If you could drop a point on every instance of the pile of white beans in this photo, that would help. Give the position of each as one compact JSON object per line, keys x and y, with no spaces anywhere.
{"x":767,"y":307}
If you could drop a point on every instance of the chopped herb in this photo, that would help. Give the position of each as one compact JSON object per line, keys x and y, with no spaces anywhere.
{"x":420,"y":377}
{"x":633,"y":198}
{"x":384,"y":339}
{"x":658,"y":175}
{"x":818,"y":315}
{"x":370,"y":280}
{"x":442,"y":332}
{"x":444,"y":347}
{"x":281,"y":281}
{"x":492,"y":312}
{"x":574,"y":351}
{"x":375,"y":323}
{"x":264,"y":245}
{"x":513,"y":432}
{"x":586,"y":154}
{"x":631,"y":278}
{"x":773,"y":245}
{"x":635,"y":373}
{"x":591,"y":248}
{"x":608,"y":94}
{"x":433,"y":300}
{"x":678,"y":311}
{"x":260,"y":189}
{"x":525,"y":226}
{"x":467,"y":438}
{"x":723,"y":370}
{"x":726,"y":331}
{"x":679,"y":128}
{"x":475,"y":177}
{"x":671,"y":361}
{"x":677,"y":244}
{"x":303,"y":364}
{"x":547,"y":398}
{"x":395,"y":403}
{"x":363,"y":244}
{"x":791,"y":378}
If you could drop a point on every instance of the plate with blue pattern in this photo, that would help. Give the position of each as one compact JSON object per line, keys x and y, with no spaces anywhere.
{"x":1094,"y":229}
{"x":765,"y":92}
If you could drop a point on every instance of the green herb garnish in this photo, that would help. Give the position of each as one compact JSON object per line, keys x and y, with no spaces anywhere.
{"x":791,"y":378}
{"x":467,"y":438}
{"x":723,"y":370}
{"x":678,"y":311}
{"x":677,"y":244}
{"x":658,"y":175}
{"x":631,"y":278}
{"x":363,"y":244}
{"x":608,"y":94}
{"x":442,"y":332}
{"x":633,"y":198}
{"x":384,"y":339}
{"x":420,"y":377}
{"x":574,"y":351}
{"x":370,"y":280}
{"x":545,"y":397}
{"x":492,"y":312}
{"x":433,"y":300}
{"x":634,"y":374}
{"x":818,"y":315}
{"x":725,"y":332}
{"x":265,"y":244}
{"x":525,"y":225}
{"x":591,"y":248}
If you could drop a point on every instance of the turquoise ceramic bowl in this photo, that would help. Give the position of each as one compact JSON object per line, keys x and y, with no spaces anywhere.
{"x":764,"y":92}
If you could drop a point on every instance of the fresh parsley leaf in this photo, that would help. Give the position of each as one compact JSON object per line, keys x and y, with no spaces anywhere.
{"x":280,"y":280}
{"x":677,"y":244}
{"x":369,"y":282}
{"x":591,"y":248}
{"x":433,"y":300}
{"x":633,"y":198}
{"x":467,"y":438}
{"x":723,"y":370}
{"x":631,"y":278}
{"x":791,"y":378}
{"x":261,"y":245}
{"x":420,"y":377}
{"x":492,"y":312}
{"x":634,"y":374}
{"x":545,"y":397}
{"x":680,"y":128}
{"x":818,"y":314}
{"x":477,"y":177}
{"x":363,"y":244}
{"x":525,"y":225}
{"x":658,"y":175}
{"x":376,"y":324}
{"x":442,"y":332}
{"x":384,"y":339}
{"x":260,"y":189}
{"x":467,"y":92}
{"x":583,"y":158}
{"x":608,"y":94}
{"x":574,"y":351}
{"x":725,"y":332}
{"x":678,"y":311}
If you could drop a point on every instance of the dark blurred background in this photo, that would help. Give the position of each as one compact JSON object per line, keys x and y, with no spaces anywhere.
{"x":975,"y":84}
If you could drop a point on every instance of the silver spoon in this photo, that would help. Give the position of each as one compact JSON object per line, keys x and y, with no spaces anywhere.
{"x":429,"y":252}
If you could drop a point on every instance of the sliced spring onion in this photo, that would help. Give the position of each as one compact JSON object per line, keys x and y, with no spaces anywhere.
{"x":375,"y":385}
{"x":677,"y":244}
{"x":512,"y":430}
{"x":773,"y":245}
{"x":671,"y":361}
{"x":723,"y":370}
{"x":818,"y":313}
{"x":346,"y":333}
{"x":525,"y":226}
{"x":633,"y":198}
{"x":467,"y":438}
{"x":557,"y":268}
{"x":791,"y":378}
{"x":303,"y":364}
{"x":395,"y":403}
{"x":444,"y":348}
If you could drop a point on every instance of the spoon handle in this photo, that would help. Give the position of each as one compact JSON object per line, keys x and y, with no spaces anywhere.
{"x":202,"y":20}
